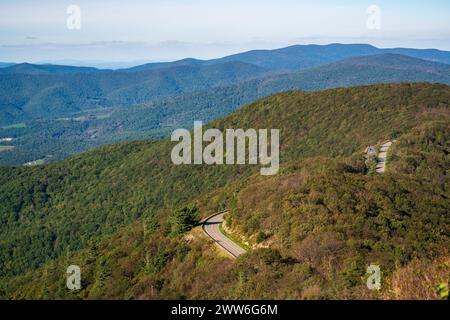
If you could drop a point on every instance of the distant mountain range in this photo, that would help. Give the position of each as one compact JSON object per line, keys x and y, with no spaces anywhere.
{"x":35,"y":69}
{"x":290,"y":58}
{"x":383,"y":68}
{"x":305,"y":56}
{"x":151,"y":100}
{"x":6,"y":64}
{"x":210,"y":104}
{"x":30,"y":91}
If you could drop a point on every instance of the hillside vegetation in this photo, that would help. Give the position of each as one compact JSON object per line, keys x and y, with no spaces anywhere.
{"x":37,"y":95}
{"x":172,"y":100}
{"x":315,"y":227}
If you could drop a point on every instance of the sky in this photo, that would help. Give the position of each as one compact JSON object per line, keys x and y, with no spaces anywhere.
{"x":161,"y":30}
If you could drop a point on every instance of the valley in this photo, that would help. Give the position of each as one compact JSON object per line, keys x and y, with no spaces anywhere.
{"x":316,"y":225}
{"x":225,"y":159}
{"x":151,"y":101}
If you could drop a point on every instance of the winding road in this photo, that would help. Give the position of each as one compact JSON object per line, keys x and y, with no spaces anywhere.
{"x":211,"y":225}
{"x":211,"y":228}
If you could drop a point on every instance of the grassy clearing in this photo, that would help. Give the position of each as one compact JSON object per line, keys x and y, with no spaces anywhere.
{"x":6,"y":148}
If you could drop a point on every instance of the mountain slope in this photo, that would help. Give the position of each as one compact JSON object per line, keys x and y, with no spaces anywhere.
{"x":323,"y":217}
{"x":82,"y":199}
{"x":299,"y":57}
{"x":29,"y":93}
{"x":34,"y":69}
{"x":162,"y":65}
{"x":158,"y":118}
{"x":105,"y":88}
{"x":160,"y":83}
{"x":427,"y":54}
{"x":373,"y":69}
{"x":6,"y":64}
{"x":210,"y":104}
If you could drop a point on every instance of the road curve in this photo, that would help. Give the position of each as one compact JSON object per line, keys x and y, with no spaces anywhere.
{"x":211,"y":228}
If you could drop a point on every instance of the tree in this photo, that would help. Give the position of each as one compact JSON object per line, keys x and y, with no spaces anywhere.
{"x":183,"y":220}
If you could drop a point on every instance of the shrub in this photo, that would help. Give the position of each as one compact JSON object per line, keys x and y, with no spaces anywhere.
{"x":260,"y":237}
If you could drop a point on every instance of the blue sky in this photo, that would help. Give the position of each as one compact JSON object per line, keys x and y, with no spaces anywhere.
{"x":170,"y":29}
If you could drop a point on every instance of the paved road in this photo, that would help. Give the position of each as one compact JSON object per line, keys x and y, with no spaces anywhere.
{"x":381,"y":164}
{"x":211,"y":228}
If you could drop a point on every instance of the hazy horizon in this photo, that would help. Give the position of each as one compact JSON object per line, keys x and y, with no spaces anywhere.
{"x":111,"y":31}
{"x":116,"y":64}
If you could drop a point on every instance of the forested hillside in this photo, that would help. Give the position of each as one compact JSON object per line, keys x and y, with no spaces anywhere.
{"x":49,"y":94}
{"x":28,"y":68}
{"x":30,"y":91}
{"x":89,"y":128}
{"x":315,"y":227}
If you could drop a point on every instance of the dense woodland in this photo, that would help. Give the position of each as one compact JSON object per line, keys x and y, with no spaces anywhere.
{"x":125,"y":213}
{"x":92,"y":109}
